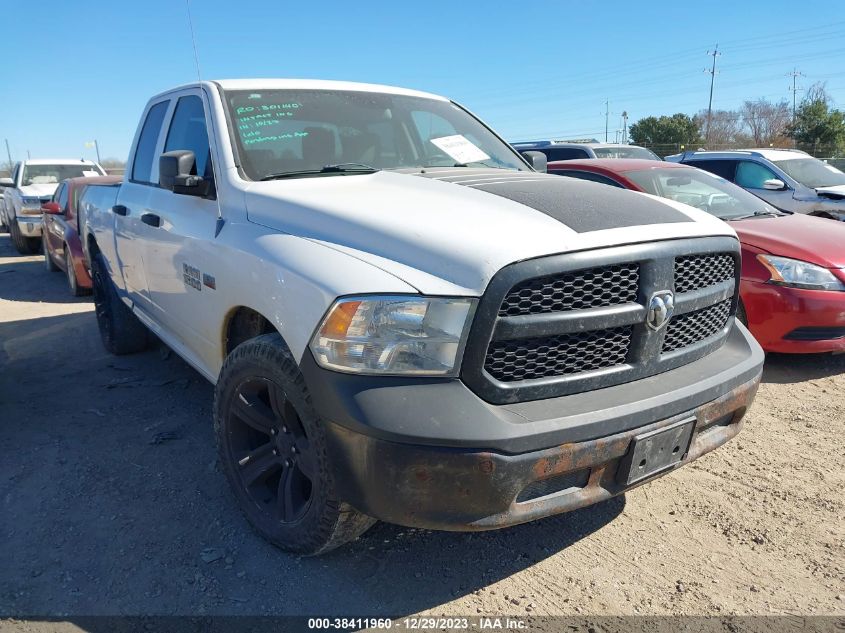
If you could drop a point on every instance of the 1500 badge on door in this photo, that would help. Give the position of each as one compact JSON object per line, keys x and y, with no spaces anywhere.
{"x":196,"y":279}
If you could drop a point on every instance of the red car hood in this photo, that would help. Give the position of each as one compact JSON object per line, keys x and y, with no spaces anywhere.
{"x":819,"y":241}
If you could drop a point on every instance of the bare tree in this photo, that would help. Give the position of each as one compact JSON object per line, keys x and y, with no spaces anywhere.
{"x":766,"y":121}
{"x":725,"y":127}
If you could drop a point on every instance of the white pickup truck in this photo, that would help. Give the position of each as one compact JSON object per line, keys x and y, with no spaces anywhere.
{"x":404,"y":319}
{"x":33,"y":183}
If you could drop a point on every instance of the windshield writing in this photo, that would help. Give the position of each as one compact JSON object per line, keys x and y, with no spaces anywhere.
{"x":280,"y":131}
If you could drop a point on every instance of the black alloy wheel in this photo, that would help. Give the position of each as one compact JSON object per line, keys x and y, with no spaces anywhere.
{"x":276,"y":466}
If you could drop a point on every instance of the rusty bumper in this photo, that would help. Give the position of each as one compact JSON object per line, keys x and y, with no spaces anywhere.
{"x":467,"y":490}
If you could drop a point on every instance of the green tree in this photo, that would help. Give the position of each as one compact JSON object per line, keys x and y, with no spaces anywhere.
{"x":666,"y":133}
{"x":817,"y":123}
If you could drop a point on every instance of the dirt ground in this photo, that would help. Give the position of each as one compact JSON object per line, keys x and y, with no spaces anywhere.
{"x":111,"y":502}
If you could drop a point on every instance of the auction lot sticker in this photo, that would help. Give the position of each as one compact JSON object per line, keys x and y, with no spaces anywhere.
{"x":460,"y":148}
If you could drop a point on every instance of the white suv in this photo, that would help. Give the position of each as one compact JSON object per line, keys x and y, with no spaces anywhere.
{"x":790,"y":180}
{"x":33,"y":183}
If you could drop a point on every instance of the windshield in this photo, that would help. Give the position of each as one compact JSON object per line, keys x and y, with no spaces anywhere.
{"x":625,"y":151}
{"x":54,"y":174}
{"x":702,"y":190}
{"x":811,"y":172}
{"x":278,"y":131}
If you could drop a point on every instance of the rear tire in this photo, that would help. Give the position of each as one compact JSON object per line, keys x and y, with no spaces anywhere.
{"x":49,"y":264}
{"x":24,"y":245}
{"x":75,"y":290}
{"x":272,"y":447}
{"x":120,"y":329}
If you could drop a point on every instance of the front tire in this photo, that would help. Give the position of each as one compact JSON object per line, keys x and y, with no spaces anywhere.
{"x":24,"y":245}
{"x":272,"y":448}
{"x":120,"y":329}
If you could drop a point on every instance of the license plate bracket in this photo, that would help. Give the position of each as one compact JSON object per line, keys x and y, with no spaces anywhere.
{"x":655,"y":451}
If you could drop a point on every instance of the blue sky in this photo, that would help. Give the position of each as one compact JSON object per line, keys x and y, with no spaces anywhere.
{"x":77,"y":71}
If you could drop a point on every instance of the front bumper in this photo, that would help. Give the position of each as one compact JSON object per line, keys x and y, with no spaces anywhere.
{"x":29,"y":225}
{"x":783,"y":319}
{"x":430,"y":453}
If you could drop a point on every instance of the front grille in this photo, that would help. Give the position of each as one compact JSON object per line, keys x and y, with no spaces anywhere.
{"x":578,"y":290}
{"x":692,"y":327}
{"x":565,"y":324}
{"x":693,"y":272}
{"x":509,"y":361}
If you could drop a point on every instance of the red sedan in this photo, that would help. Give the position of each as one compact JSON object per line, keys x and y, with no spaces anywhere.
{"x":61,"y":245}
{"x":792,"y":288}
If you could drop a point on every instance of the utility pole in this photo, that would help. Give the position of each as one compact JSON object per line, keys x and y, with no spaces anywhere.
{"x":97,"y":147}
{"x":8,"y":153}
{"x":624,"y":127}
{"x":714,"y":53}
{"x":606,"y":118}
{"x":795,"y":74}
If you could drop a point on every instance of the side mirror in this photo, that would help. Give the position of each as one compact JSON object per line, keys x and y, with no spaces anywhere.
{"x":177,"y":171}
{"x":537,"y":160}
{"x":52,"y":208}
{"x":7,"y":182}
{"x":774,"y":184}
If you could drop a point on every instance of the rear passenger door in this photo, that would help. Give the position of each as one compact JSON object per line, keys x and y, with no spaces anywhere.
{"x":133,"y":202}
{"x":724,"y":168}
{"x":177,"y":230}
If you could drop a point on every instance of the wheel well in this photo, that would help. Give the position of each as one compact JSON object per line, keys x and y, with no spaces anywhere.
{"x":244,"y":324}
{"x":93,"y":249}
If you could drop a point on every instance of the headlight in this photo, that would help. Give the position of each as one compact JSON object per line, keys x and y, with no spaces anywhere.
{"x":30,"y":203}
{"x":393,"y":335}
{"x":797,"y":274}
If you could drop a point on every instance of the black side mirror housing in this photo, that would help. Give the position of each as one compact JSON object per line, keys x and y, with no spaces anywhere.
{"x":537,"y":160}
{"x":177,"y":171}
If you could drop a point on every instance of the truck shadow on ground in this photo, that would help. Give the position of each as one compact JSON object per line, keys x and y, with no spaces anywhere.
{"x":792,"y":368}
{"x":117,"y":472}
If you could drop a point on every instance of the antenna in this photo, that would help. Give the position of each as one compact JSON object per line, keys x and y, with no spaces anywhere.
{"x":193,"y":39}
{"x":209,"y":124}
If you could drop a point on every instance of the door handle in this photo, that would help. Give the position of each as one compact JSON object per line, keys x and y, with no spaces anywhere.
{"x":119,"y":209}
{"x":152,"y":219}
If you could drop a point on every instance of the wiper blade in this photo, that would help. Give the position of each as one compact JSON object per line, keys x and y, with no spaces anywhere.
{"x":759,"y":214}
{"x":338,"y":168}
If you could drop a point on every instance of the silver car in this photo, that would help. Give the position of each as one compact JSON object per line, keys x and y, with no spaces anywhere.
{"x":788,"y":179}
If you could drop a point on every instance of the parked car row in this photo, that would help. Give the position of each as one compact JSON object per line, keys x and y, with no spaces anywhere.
{"x":404,"y":318}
